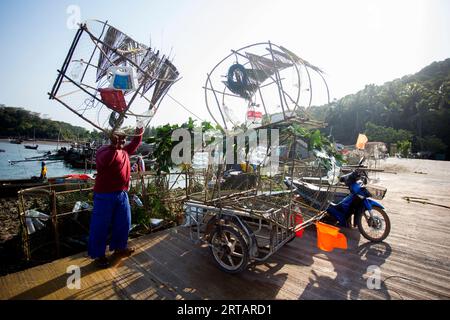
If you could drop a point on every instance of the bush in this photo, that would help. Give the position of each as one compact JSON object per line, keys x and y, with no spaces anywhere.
{"x":432,"y":144}
{"x":404,"y":147}
{"x":386,"y":134}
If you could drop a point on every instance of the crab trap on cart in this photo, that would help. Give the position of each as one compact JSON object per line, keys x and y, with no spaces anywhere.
{"x":248,"y":209}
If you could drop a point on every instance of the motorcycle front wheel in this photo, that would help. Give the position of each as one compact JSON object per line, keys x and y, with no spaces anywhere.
{"x":374,"y":229}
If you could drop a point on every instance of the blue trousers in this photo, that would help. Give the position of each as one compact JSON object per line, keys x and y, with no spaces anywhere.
{"x":111,"y":210}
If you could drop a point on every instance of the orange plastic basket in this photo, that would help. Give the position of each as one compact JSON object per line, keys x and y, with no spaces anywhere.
{"x":329,"y":237}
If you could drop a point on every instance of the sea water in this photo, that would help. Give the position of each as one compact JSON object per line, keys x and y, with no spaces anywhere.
{"x":25,"y":170}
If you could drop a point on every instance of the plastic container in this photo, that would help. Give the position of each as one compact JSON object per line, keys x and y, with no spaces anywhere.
{"x":81,"y":205}
{"x":77,"y":206}
{"x":122,"y":78}
{"x":38,"y":224}
{"x":253,"y":116}
{"x":32,"y":220}
{"x":36,"y":214}
{"x":155,"y":222}
{"x":76,"y":71}
{"x":30,"y":226}
{"x":138,"y":201}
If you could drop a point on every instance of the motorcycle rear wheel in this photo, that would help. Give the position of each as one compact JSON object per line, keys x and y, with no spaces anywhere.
{"x":375,"y":230}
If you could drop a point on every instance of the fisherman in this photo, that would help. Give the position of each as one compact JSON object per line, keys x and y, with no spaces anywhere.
{"x":111,"y":204}
{"x":43,"y":175}
{"x":139,"y":168}
{"x":139,"y":165}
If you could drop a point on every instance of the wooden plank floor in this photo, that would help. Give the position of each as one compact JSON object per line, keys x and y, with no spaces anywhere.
{"x":414,"y":261}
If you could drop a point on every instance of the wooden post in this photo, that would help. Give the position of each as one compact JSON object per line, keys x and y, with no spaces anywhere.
{"x":25,"y":238}
{"x":144,"y":191}
{"x":55,"y":223}
{"x":187,"y":183}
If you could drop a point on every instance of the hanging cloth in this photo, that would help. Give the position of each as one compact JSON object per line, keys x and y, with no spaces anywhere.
{"x":361,"y":141}
{"x":113,"y":99}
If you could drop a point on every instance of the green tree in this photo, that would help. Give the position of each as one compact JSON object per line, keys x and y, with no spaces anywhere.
{"x":418,"y":104}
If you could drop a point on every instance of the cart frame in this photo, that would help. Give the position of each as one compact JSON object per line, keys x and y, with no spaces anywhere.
{"x":264,"y":233}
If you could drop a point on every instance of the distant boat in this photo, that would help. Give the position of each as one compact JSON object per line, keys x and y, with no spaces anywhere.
{"x":16,"y":141}
{"x":82,"y":164}
{"x":9,"y":188}
{"x":1,"y":150}
{"x":34,"y":139}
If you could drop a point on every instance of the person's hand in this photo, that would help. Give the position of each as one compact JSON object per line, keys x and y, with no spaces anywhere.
{"x":139,"y":123}
{"x":139,"y":126}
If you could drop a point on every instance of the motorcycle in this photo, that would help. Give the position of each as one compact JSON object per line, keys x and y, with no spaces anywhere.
{"x":369,"y":215}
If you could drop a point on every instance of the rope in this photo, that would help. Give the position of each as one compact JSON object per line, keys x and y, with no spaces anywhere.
{"x":400,"y":277}
{"x":185,"y":108}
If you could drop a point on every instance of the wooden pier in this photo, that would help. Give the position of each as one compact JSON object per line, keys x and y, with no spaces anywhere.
{"x":414,"y":262}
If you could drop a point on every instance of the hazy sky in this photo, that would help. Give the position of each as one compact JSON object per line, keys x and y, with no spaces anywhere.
{"x":354,"y":42}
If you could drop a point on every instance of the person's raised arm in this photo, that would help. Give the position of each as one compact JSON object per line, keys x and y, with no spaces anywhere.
{"x":135,"y":143}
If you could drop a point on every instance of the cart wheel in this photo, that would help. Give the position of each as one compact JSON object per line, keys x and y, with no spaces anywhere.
{"x":229,"y":249}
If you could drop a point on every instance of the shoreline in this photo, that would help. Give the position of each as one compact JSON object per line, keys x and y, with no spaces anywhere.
{"x":40,"y":142}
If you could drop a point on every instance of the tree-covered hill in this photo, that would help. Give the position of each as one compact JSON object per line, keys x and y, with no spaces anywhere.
{"x":417,"y":104}
{"x":18,"y":122}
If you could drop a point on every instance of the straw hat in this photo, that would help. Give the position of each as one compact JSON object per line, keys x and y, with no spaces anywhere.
{"x":118,"y":132}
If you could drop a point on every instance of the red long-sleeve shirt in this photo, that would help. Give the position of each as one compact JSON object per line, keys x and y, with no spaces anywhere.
{"x":113,"y":167}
